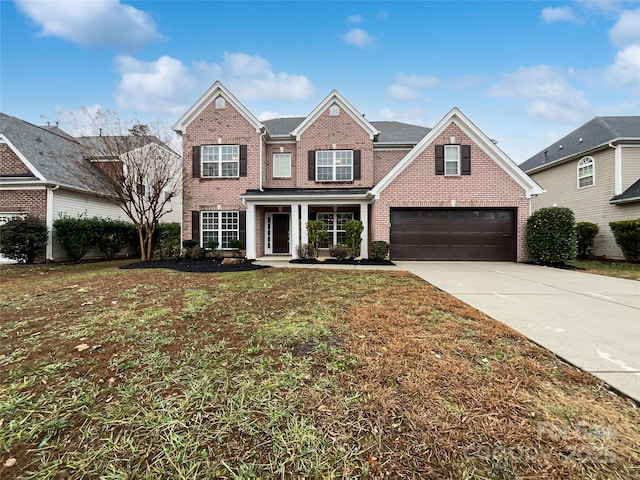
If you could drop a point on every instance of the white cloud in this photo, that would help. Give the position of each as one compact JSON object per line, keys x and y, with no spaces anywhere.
{"x":408,"y":87}
{"x":166,"y":85}
{"x":358,"y":37}
{"x":626,"y":30}
{"x":79,"y":122}
{"x":558,"y":14}
{"x":549,"y":95}
{"x":625,"y":70}
{"x":414,"y":116}
{"x":355,"y":19}
{"x":268,"y":115}
{"x":96,"y":23}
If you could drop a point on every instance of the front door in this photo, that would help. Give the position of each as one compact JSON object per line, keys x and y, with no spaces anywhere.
{"x":280,"y":233}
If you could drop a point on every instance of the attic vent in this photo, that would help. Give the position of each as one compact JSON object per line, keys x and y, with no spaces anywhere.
{"x":220,"y":103}
{"x":580,"y":140}
{"x":334,"y":110}
{"x":560,"y":147}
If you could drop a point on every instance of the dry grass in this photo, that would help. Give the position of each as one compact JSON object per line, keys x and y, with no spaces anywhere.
{"x":286,"y":373}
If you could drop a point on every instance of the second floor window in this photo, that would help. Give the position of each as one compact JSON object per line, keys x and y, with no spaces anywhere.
{"x":282,"y":165}
{"x":220,"y":160}
{"x":334,"y":165}
{"x":586,"y":172}
{"x":451,"y":160}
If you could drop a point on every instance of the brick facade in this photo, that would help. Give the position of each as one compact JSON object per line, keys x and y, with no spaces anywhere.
{"x":33,"y":202}
{"x":418,"y":186}
{"x":10,"y":164}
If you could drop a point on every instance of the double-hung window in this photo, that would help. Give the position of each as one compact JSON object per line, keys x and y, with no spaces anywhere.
{"x":586,"y":172}
{"x":452,"y":159}
{"x":335,"y":227}
{"x":334,"y":165}
{"x":220,"y":160}
{"x":282,"y":165}
{"x":219,"y":227}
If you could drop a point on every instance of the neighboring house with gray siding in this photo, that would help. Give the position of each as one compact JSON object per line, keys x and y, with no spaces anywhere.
{"x":594,"y":171}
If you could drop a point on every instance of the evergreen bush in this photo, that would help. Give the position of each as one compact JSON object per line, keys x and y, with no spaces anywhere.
{"x":627,"y":235}
{"x":23,"y":239}
{"x":353,"y":229}
{"x":585,"y":236}
{"x":378,"y":250}
{"x":551,"y":236}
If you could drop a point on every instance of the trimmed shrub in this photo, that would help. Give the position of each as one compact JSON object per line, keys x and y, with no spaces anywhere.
{"x":168,"y":240}
{"x":317,"y":232}
{"x":235,"y":244}
{"x":378,"y":250}
{"x":213,"y":245}
{"x":189,"y":243}
{"x":353,"y":229}
{"x":23,"y":239}
{"x":114,"y":236}
{"x":77,"y":236}
{"x":306,"y":251}
{"x":339,"y":251}
{"x":551,"y":236}
{"x":585,"y":236}
{"x":627,"y":235}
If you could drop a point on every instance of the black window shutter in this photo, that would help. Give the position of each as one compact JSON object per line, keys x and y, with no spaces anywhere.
{"x":311,"y":155}
{"x":195,"y":156}
{"x":357,"y":167}
{"x":465,"y":154}
{"x":195,"y":226}
{"x":243,"y":160}
{"x":439,"y":159}
{"x":242,"y":227}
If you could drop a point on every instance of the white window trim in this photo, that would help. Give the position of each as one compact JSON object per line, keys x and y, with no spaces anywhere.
{"x":587,"y":161}
{"x":8,"y":216}
{"x":219,"y":162}
{"x":334,"y":167}
{"x":274,"y":164}
{"x":457,"y":148}
{"x":219,"y":230}
{"x":333,"y":232}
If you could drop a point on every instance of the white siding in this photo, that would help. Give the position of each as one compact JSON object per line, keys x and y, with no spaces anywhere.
{"x":590,"y":204}
{"x":72,"y":204}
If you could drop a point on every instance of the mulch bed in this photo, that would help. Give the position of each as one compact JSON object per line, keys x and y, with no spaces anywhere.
{"x":205,"y":265}
{"x":347,"y":261}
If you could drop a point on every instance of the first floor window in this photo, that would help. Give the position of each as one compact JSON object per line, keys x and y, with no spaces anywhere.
{"x":220,"y":160}
{"x":334,"y":165}
{"x":282,"y":165}
{"x":7,"y":217}
{"x":219,"y":227}
{"x":586,"y":172}
{"x":452,"y":160}
{"x":335,"y":227}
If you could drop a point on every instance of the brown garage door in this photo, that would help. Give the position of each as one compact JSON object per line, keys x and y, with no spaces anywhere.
{"x":453,"y":234}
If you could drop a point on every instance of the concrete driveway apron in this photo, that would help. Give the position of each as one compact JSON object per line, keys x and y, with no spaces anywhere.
{"x":592,"y":321}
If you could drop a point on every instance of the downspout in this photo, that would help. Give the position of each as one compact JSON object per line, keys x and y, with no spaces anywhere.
{"x":264,"y":132}
{"x":49,"y":220}
{"x":617,"y":169}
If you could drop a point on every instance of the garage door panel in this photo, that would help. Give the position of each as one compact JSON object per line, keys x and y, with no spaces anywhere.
{"x":453,"y":234}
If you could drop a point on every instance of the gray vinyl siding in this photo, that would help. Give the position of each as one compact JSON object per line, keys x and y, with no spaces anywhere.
{"x":630,"y":165}
{"x":589,"y":204}
{"x":72,"y":204}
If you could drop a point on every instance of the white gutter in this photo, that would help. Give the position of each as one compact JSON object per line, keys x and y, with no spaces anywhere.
{"x":264,"y":132}
{"x":49,"y":222}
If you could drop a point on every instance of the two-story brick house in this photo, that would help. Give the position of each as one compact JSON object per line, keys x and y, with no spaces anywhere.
{"x":443,"y":193}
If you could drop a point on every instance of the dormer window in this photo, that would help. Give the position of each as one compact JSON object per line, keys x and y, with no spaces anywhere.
{"x":586,"y":172}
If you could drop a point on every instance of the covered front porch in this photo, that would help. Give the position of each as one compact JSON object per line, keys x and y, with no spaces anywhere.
{"x":277,"y":218}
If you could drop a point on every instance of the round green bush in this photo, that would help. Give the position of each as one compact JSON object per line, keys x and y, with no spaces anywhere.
{"x":551,"y":236}
{"x":23,"y":239}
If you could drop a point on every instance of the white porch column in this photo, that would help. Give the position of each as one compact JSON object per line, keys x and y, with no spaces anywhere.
{"x":364,"y":218}
{"x":304,"y":218}
{"x":251,"y":230}
{"x":295,"y":230}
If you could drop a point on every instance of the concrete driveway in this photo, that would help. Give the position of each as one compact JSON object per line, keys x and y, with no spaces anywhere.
{"x":591,"y":321}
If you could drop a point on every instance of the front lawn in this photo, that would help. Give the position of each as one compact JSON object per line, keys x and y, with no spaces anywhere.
{"x":611,"y":268}
{"x":134,"y":373}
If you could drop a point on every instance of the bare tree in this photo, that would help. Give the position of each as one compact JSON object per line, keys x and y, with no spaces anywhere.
{"x":143,"y":172}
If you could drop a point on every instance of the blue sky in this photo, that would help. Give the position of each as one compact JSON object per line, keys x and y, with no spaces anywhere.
{"x":526,"y":73}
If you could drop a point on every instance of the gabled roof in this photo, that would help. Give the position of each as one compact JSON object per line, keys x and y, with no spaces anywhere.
{"x":631,"y":194}
{"x":282,"y":127}
{"x":598,"y":132}
{"x":52,"y":158}
{"x":484,"y":142}
{"x":109,"y":144}
{"x":335,"y":98}
{"x":216,"y":90}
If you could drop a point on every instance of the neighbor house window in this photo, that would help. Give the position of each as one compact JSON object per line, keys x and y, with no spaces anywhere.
{"x":282,"y":165}
{"x":334,"y":165}
{"x":335,"y":227}
{"x":586,"y":172}
{"x":220,"y":160}
{"x":219,"y":227}
{"x":452,"y":159}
